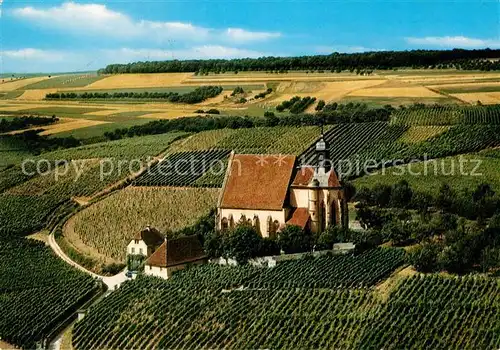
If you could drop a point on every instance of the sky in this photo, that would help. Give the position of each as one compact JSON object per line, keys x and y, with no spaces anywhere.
{"x":63,"y":36}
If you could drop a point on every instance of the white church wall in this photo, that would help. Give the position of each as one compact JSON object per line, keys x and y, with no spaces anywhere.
{"x":263,"y":216}
{"x":299,"y":197}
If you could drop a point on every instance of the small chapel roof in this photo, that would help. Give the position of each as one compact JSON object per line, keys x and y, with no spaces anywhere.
{"x":300,"y":217}
{"x":177,"y":251}
{"x":258,"y":181}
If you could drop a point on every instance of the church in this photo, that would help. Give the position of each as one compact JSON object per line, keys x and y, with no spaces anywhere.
{"x":272,"y":191}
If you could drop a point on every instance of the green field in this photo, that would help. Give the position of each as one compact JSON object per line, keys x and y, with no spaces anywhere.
{"x":65,"y":81}
{"x":470,"y":88}
{"x":429,"y":176}
{"x":61,"y":111}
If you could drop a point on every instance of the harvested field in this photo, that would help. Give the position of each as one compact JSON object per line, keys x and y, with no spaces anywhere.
{"x":14,"y":85}
{"x":413,"y":91}
{"x":35,"y":94}
{"x":66,"y":124}
{"x":168,"y":115}
{"x":484,"y":97}
{"x":328,"y":91}
{"x":468,"y":87}
{"x":122,"y":81}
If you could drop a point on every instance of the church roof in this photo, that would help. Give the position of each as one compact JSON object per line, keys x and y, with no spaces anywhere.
{"x":300,"y":217}
{"x":177,"y":251}
{"x":304,"y":176}
{"x":150,"y":236}
{"x":258,"y":182}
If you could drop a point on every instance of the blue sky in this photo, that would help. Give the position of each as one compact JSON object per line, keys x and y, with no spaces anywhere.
{"x":51,"y":36}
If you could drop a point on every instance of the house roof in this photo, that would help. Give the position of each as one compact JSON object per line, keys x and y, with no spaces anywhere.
{"x":150,"y":236}
{"x":300,"y":217}
{"x":258,"y":182}
{"x":177,"y":251}
{"x":304,"y":176}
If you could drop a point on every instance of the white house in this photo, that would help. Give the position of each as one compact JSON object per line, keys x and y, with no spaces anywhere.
{"x":271,"y":191}
{"x":173,"y":255}
{"x":145,"y":242}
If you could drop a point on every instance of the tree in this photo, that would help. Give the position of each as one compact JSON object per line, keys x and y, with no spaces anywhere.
{"x":293,"y":239}
{"x":396,"y":232}
{"x":321,"y":104}
{"x":401,"y":195}
{"x":424,"y":257}
{"x":242,"y":243}
{"x":445,"y":198}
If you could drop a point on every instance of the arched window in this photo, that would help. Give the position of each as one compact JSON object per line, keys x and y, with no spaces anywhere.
{"x":333,"y":213}
{"x":224,"y":224}
{"x":276,"y":224}
{"x":271,"y":230}
{"x":256,"y":223}
{"x":322,"y":217}
{"x":231,"y":221}
{"x":243,"y":220}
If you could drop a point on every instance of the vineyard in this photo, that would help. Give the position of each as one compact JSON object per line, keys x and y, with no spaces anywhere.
{"x":340,"y":271}
{"x":108,"y":225}
{"x":37,"y":291}
{"x":416,"y":134}
{"x":447,"y":115}
{"x":346,"y":140}
{"x":185,"y":168}
{"x":192,"y":310}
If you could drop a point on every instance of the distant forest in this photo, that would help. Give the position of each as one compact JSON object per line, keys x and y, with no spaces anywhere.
{"x":360,"y":63}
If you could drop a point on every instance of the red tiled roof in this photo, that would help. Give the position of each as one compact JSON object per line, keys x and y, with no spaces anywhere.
{"x":300,"y":217}
{"x":303,"y":176}
{"x":258,"y":182}
{"x":333,"y":180}
{"x":150,"y":236}
{"x":177,"y":251}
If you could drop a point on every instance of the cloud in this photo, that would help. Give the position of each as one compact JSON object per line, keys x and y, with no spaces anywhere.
{"x":126,"y":55}
{"x":34,"y":54}
{"x":29,"y":60}
{"x":453,"y":42}
{"x":241,"y":35}
{"x":97,"y":19}
{"x":344,"y":49}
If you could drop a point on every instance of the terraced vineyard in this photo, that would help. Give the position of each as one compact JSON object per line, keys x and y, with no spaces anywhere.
{"x":416,"y":134}
{"x":447,"y":115}
{"x":192,"y":311}
{"x":37,"y":291}
{"x":185,"y":168}
{"x":262,"y":140}
{"x":435,"y":115}
{"x":482,"y":115}
{"x":108,"y":225}
{"x":340,"y":271}
{"x":346,"y":140}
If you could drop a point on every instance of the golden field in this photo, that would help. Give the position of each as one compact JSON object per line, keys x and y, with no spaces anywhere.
{"x":393,"y":87}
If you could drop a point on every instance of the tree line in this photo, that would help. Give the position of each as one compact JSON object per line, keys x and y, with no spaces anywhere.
{"x":25,"y":122}
{"x":347,"y":113}
{"x":197,"y":95}
{"x":454,"y":231}
{"x":335,"y":62}
{"x":296,"y":104}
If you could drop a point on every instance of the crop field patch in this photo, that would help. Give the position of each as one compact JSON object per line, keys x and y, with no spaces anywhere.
{"x":35,"y":94}
{"x":414,"y":91}
{"x":110,"y":224}
{"x":184,"y":169}
{"x":493,"y":86}
{"x":20,"y":83}
{"x":483,"y":97}
{"x":416,"y":134}
{"x":60,"y":111}
{"x":125,"y":81}
{"x":64,"y":81}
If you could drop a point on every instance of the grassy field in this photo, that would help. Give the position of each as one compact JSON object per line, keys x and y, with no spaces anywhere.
{"x":109,"y":225}
{"x":429,"y":176}
{"x":64,"y":81}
